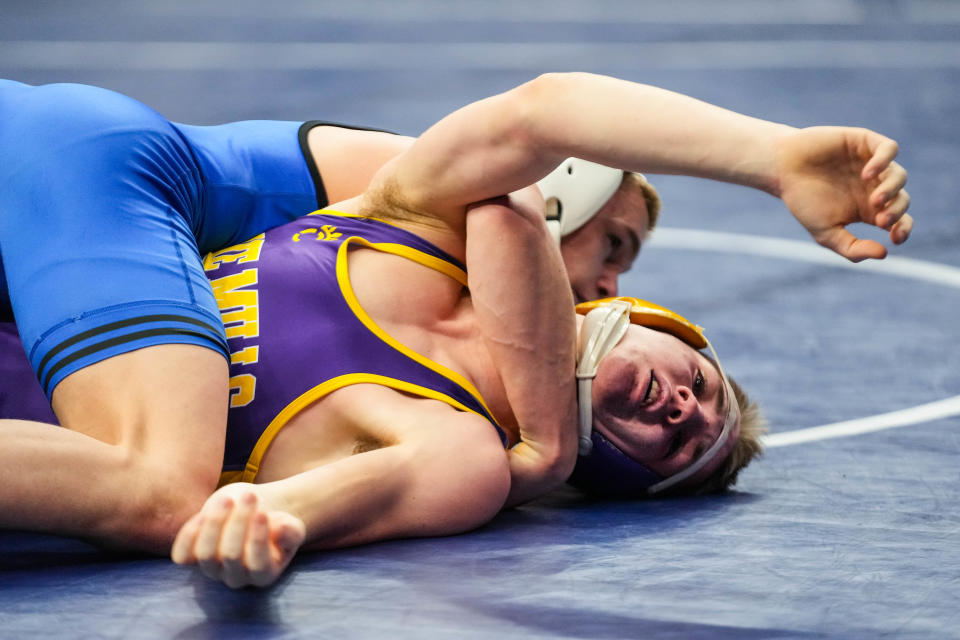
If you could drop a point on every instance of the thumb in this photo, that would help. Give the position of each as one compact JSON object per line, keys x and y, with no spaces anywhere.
{"x":850,"y":246}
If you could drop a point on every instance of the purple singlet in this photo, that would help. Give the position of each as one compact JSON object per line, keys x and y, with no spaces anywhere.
{"x":296,"y":331}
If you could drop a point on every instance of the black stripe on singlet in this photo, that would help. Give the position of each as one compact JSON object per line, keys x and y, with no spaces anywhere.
{"x":106,"y":344}
{"x":322,"y":200}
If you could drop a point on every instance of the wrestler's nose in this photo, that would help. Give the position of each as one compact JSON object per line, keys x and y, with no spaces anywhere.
{"x":607,"y":282}
{"x":683,"y":407}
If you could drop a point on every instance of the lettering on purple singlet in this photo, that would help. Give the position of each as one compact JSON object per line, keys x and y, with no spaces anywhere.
{"x":238,"y":300}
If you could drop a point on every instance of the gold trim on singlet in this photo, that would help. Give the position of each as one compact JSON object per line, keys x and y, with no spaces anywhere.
{"x":426,"y":260}
{"x":310,"y":396}
{"x":249,"y":473}
{"x":341,"y":214}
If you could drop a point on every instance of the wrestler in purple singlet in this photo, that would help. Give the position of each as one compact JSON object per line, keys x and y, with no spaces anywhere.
{"x":296,"y":332}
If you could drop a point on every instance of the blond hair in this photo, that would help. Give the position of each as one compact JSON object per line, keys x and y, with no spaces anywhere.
{"x":747,"y":447}
{"x":650,"y":196}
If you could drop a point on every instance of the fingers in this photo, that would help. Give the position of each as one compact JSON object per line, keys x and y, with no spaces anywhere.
{"x":891,"y":201}
{"x":257,"y":552}
{"x":182,"y":550}
{"x":291,"y":536}
{"x":232,"y":540}
{"x":891,"y":184}
{"x":233,"y":568}
{"x":893,"y":211}
{"x":288,"y":536}
{"x":884,"y":151}
{"x":901,"y":230}
{"x":271,"y":551}
{"x":208,"y":539}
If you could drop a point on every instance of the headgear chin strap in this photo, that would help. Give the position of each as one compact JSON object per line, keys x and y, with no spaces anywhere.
{"x":575,"y":191}
{"x":602,"y":466}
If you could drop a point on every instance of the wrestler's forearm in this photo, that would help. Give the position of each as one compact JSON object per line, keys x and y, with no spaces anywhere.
{"x":828,"y":177}
{"x":511,"y":140}
{"x":523,"y":304}
{"x":433,"y":485}
{"x":443,"y":472}
{"x":644,"y":128}
{"x":339,"y":503}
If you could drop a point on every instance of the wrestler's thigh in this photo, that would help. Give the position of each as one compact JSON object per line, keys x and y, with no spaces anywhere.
{"x":99,"y":203}
{"x":168,"y":402}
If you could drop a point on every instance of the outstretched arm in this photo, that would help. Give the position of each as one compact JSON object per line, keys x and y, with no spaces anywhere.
{"x":444,"y":473}
{"x":828,"y":177}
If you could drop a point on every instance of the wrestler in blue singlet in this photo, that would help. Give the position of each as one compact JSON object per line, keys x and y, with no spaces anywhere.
{"x":106,"y":208}
{"x":297,"y":332}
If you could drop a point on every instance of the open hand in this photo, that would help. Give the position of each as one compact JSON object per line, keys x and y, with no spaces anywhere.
{"x":237,"y":541}
{"x":830,"y":177}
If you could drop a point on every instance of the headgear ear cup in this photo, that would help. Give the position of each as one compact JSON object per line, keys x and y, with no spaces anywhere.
{"x":602,"y":329}
{"x":575,"y":191}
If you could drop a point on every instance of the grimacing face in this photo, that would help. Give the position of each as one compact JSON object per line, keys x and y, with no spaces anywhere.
{"x":661,"y":402}
{"x":606,"y":246}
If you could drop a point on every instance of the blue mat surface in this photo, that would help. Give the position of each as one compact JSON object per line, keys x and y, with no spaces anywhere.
{"x":828,"y":536}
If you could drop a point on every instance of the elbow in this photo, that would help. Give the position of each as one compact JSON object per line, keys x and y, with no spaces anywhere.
{"x":548,"y":88}
{"x":557,"y":463}
{"x":528,"y":107}
{"x":508,"y":218}
{"x":534,"y":103}
{"x":565,"y":461}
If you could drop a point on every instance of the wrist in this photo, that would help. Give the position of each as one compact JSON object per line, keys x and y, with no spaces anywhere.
{"x":771,"y":179}
{"x":272,"y":498}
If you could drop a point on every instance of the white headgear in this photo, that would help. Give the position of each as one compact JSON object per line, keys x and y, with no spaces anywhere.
{"x":579,"y":189}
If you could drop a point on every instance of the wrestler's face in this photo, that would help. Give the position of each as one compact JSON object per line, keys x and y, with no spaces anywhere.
{"x":661,"y":402}
{"x":599,"y":251}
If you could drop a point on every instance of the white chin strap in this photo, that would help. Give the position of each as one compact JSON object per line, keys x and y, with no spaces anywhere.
{"x":602,"y":329}
{"x":575,"y":191}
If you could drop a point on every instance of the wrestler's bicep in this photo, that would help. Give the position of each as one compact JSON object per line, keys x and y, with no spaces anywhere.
{"x":483,"y":150}
{"x":460,"y":476}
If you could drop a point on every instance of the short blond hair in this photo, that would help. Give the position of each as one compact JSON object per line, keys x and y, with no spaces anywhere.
{"x":747,"y":447}
{"x":651,"y":198}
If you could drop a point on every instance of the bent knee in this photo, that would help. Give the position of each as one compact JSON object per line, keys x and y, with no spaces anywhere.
{"x":161,"y":498}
